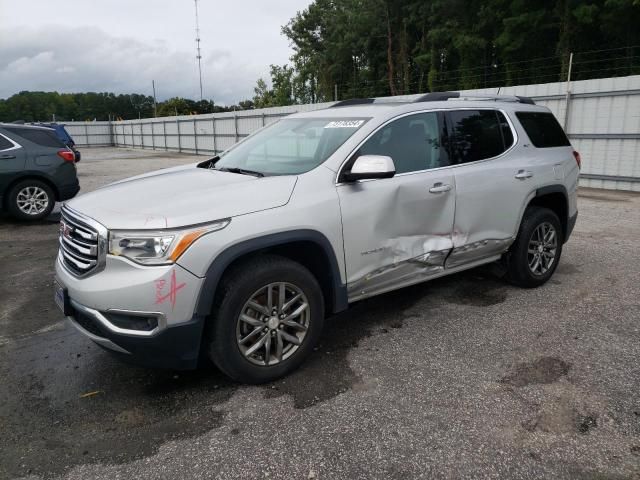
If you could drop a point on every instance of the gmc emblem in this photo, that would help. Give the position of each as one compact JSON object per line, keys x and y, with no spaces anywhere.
{"x":66,"y":230}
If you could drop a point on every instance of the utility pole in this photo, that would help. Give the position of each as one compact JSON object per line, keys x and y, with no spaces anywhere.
{"x":155,"y":103}
{"x":568,"y":97}
{"x":198,"y":56}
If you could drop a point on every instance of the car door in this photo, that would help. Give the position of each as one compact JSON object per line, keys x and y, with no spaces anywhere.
{"x":493,"y":179}
{"x":12,"y":160}
{"x":398,"y":231}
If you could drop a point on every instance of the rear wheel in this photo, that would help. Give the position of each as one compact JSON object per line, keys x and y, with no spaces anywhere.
{"x":267,"y":318}
{"x":30,"y":200}
{"x":536,"y":251}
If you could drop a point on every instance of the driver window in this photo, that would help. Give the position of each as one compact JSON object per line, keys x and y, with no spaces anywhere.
{"x":413,"y":142}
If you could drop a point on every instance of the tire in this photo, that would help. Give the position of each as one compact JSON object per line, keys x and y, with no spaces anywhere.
{"x":19,"y":200}
{"x":226,"y":328}
{"x":522,"y":268}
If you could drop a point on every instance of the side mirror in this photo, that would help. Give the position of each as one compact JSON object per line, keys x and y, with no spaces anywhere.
{"x":370,"y":166}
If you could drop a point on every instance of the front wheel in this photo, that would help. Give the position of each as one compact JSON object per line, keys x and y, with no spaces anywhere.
{"x":267,"y":318}
{"x":535,"y":254}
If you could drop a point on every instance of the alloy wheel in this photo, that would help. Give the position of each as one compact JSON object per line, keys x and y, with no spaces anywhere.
{"x":541,"y":252}
{"x":32,"y":200}
{"x":273,"y":323}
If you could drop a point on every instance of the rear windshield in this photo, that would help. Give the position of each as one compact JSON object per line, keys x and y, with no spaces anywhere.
{"x":45,"y":138}
{"x":543,"y":129}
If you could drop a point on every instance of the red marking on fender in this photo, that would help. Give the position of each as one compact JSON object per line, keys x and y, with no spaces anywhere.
{"x":172,"y":295}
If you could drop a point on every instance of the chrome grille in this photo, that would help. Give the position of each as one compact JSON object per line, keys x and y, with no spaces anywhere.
{"x":81,"y":244}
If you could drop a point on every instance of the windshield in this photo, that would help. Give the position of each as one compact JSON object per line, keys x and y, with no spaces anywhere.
{"x":291,"y":146}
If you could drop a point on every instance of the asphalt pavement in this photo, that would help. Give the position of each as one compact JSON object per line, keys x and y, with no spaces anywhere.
{"x":461,"y":377}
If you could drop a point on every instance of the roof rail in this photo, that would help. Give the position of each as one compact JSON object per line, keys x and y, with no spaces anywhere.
{"x":444,"y":96}
{"x":437,"y":97}
{"x":353,"y":101}
{"x":527,"y":100}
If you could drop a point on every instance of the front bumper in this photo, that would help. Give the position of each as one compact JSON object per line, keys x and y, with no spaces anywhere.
{"x":176,"y":347}
{"x":111,"y":307}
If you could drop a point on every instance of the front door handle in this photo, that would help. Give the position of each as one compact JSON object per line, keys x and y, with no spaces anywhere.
{"x":7,"y":157}
{"x":523,"y":174}
{"x":440,"y":188}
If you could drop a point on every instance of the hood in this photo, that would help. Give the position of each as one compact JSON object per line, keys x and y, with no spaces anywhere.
{"x":182,"y":196}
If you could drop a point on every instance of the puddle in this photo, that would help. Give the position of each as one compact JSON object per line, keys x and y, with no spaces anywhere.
{"x":49,"y":426}
{"x":542,"y":371}
{"x":327,"y":373}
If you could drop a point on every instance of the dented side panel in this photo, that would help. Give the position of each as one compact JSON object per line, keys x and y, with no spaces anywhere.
{"x":490,"y":200}
{"x":395,"y":229}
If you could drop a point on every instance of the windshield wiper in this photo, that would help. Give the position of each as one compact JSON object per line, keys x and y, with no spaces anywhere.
{"x":242,"y":171}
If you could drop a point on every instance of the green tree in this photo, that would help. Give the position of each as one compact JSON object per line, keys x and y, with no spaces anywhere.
{"x":386,"y":47}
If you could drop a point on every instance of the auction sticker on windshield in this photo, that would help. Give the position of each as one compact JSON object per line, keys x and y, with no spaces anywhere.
{"x":344,"y":124}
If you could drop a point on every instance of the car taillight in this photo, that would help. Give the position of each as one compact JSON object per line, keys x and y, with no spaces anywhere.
{"x":576,"y":155}
{"x":67,"y":155}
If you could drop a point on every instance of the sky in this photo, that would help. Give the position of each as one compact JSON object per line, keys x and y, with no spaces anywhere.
{"x":122,"y":45}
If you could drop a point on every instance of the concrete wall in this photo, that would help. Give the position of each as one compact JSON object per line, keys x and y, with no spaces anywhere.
{"x":602,"y":119}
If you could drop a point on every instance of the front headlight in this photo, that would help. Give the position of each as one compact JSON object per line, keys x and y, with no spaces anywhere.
{"x":158,"y":247}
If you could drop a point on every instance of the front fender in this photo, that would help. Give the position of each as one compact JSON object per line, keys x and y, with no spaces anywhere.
{"x":226,"y":257}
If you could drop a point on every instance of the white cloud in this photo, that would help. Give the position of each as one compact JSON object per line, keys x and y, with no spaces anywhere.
{"x":122,"y":45}
{"x":88,"y":59}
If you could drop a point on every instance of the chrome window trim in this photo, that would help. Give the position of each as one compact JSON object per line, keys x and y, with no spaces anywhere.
{"x":15,"y":146}
{"x":103,"y":235}
{"x":514,"y":132}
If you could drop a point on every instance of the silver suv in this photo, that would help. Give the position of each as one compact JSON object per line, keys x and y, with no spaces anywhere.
{"x":241,"y":257}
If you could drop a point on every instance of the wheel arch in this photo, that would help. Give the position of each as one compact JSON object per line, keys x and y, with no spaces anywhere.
{"x":556,"y":199}
{"x":308,"y":247}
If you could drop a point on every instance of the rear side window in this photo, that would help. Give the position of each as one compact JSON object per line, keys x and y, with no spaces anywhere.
{"x":45,"y":138}
{"x":4,"y":143}
{"x":543,"y":129}
{"x":478,"y":134}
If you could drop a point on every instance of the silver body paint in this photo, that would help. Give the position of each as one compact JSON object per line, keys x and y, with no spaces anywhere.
{"x":385,"y":233}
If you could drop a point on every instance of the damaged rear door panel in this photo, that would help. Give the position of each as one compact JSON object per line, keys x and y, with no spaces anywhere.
{"x":484,"y":146}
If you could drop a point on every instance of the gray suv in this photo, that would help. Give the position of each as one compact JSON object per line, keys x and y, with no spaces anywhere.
{"x":36,"y":170}
{"x":241,"y":257}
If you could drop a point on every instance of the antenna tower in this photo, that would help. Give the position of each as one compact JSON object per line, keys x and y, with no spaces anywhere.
{"x":198,"y":56}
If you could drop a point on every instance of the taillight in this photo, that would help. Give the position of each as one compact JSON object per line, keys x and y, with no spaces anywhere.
{"x":576,"y":155}
{"x":67,"y":155}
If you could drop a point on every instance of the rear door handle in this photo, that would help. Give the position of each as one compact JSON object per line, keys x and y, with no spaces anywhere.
{"x":7,"y":157}
{"x":524,"y":174}
{"x":440,"y":188}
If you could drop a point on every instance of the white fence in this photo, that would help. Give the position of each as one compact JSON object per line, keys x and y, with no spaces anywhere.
{"x":602,"y":117}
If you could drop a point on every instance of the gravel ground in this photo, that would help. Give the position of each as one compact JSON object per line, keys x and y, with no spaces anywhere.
{"x":462,"y":377}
